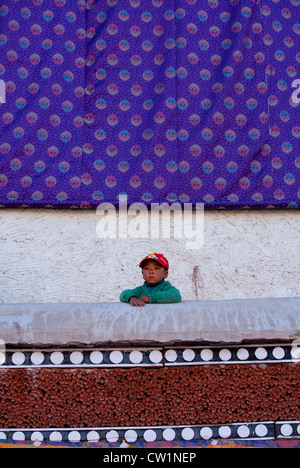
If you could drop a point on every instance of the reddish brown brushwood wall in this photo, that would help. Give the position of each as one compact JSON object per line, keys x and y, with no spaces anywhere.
{"x":180,"y":395}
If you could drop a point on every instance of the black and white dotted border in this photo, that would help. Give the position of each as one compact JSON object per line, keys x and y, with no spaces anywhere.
{"x":287,"y":429}
{"x":247,"y":354}
{"x":115,"y":435}
{"x":132,"y":357}
{"x":81,"y":358}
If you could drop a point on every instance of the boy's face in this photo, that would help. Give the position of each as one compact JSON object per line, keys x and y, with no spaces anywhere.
{"x":153,"y":272}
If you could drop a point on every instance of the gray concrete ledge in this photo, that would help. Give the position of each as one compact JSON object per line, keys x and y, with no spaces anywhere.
{"x":115,"y":323}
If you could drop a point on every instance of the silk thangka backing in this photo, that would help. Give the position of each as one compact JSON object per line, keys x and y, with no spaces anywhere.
{"x":164,"y":101}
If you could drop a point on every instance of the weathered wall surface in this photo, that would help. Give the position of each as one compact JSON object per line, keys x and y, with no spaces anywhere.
{"x":56,"y":256}
{"x":229,"y":321}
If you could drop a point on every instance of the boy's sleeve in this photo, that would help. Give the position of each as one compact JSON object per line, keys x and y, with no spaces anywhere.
{"x":128,"y":293}
{"x":168,"y":295}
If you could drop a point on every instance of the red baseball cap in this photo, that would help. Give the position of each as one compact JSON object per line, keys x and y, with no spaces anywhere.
{"x":157,"y":257}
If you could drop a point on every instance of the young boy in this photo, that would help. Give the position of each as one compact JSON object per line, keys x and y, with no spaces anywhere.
{"x":155,"y":289}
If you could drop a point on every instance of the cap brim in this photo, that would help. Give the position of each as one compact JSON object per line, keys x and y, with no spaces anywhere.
{"x":154,"y":260}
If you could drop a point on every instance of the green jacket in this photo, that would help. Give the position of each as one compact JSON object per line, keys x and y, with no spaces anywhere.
{"x":163,"y":293}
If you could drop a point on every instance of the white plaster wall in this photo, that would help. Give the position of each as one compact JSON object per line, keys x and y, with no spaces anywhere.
{"x":56,"y":256}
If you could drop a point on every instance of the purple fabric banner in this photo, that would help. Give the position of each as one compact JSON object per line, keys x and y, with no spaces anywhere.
{"x":165,"y":100}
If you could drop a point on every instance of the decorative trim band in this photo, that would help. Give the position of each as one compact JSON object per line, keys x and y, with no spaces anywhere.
{"x":160,"y":356}
{"x":247,"y":354}
{"x":237,"y":431}
{"x":76,"y":357}
{"x":287,"y":429}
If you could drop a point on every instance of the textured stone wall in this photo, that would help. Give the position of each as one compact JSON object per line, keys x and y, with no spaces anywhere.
{"x":176,"y":395}
{"x":56,"y":256}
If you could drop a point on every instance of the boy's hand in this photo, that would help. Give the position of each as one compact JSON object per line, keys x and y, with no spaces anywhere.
{"x":145,"y":298}
{"x":135,"y":302}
